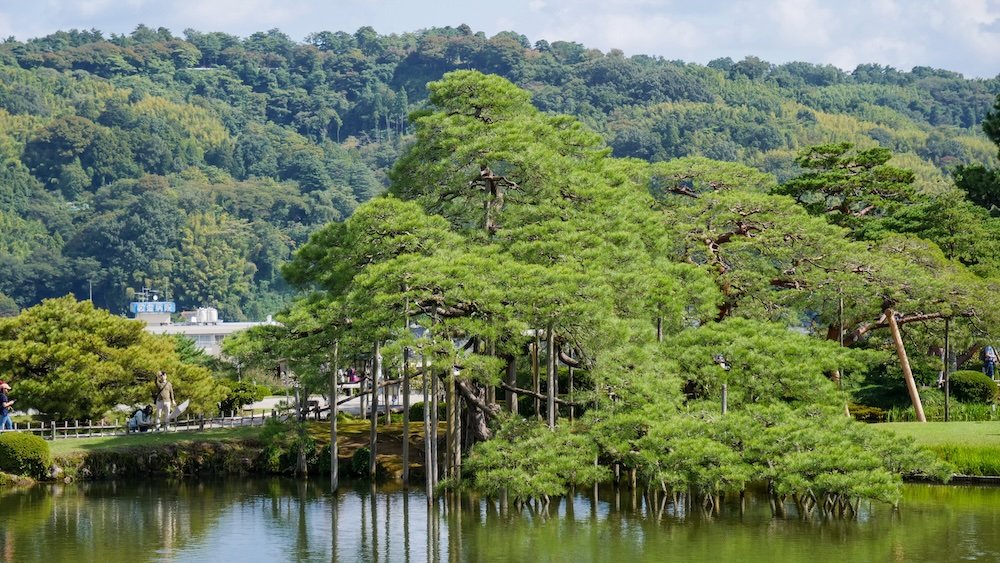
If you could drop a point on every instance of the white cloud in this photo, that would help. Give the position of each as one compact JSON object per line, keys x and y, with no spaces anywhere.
{"x":6,"y":27}
{"x":222,"y":14}
{"x":804,"y":23}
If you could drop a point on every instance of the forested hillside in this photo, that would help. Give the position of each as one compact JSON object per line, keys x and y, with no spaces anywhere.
{"x":197,"y":164}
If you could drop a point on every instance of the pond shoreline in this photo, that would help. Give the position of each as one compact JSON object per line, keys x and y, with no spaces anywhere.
{"x":252,"y":457}
{"x":241,"y":452}
{"x":206,"y":459}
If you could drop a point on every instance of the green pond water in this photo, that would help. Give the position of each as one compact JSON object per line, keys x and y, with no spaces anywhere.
{"x":285,"y":520}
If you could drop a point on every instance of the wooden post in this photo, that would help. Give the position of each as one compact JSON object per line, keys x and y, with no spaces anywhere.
{"x":725,"y":398}
{"x":911,"y":385}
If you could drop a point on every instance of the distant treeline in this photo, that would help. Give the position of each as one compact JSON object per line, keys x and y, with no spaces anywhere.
{"x":197,"y":164}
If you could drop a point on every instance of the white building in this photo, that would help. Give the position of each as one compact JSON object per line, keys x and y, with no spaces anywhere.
{"x":203,"y":325}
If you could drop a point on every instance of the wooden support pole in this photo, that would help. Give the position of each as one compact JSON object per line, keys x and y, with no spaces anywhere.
{"x":911,"y":385}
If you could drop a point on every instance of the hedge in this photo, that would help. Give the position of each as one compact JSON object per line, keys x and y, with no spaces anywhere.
{"x":972,"y":387}
{"x":24,"y":454}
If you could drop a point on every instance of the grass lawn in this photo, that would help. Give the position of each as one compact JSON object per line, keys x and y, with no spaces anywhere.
{"x":64,"y":446}
{"x":949,"y":433}
{"x":973,"y":448}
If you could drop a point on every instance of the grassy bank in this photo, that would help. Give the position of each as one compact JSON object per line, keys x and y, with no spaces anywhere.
{"x":69,"y":446}
{"x":972,"y":447}
{"x":230,"y":451}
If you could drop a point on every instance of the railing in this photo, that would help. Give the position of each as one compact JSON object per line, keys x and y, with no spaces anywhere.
{"x":87,"y":429}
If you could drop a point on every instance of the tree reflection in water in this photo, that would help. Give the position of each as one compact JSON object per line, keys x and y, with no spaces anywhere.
{"x":279,"y":519}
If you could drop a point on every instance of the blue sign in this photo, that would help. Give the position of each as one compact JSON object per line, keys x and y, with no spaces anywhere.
{"x":153,"y":307}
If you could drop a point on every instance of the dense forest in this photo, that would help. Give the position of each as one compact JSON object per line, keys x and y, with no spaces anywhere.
{"x":198,"y":164}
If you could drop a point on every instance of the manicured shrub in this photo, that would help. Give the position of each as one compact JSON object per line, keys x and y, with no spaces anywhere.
{"x":24,"y":454}
{"x":241,"y":394}
{"x":417,"y":411}
{"x":972,"y":387}
{"x":866,"y":413}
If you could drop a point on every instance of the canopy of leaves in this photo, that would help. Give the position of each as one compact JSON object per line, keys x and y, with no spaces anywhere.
{"x":275,"y":138}
{"x":518,"y":225}
{"x":72,"y":361}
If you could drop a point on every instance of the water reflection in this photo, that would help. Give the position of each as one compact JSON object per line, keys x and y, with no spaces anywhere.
{"x":285,"y":520}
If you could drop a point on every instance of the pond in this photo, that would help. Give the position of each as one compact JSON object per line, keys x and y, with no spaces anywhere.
{"x":286,"y":520}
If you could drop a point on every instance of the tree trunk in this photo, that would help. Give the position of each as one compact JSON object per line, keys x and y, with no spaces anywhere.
{"x":511,"y":381}
{"x":301,"y":469}
{"x":491,"y":390}
{"x":334,"y":397}
{"x":550,"y":368}
{"x":435,"y":391}
{"x":963,"y":357}
{"x":911,"y":385}
{"x":477,"y":411}
{"x":406,"y":416}
{"x":428,"y":450}
{"x":376,"y":372}
{"x":454,"y":428}
{"x":535,"y":384}
{"x":572,"y":409}
{"x":385,"y":401}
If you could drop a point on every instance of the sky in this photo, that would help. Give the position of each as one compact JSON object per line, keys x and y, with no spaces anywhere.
{"x":957,"y":35}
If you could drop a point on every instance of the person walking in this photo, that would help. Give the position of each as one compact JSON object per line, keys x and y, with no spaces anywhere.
{"x":5,"y":407}
{"x":989,"y":357}
{"x":164,"y":401}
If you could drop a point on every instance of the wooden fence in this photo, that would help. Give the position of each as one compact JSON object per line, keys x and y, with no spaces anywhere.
{"x":85,"y":429}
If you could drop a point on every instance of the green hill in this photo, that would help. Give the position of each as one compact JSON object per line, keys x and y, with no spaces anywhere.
{"x":197,"y":164}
